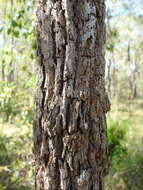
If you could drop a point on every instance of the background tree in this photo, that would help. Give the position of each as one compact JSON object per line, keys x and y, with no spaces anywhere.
{"x":70,"y":128}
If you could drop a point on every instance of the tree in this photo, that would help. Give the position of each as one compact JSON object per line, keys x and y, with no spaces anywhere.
{"x":70,"y":127}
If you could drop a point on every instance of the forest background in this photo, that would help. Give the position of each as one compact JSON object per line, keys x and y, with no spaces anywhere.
{"x":124,"y":84}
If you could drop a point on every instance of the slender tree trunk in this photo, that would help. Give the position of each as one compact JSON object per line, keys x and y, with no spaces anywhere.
{"x":3,"y":70}
{"x":70,"y":128}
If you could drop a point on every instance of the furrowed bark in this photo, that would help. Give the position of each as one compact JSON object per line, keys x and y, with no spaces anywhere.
{"x":70,"y":128}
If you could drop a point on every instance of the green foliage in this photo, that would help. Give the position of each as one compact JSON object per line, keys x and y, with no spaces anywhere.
{"x":125,"y":146}
{"x":126,"y":173}
{"x":15,"y":102}
{"x":133,"y":169}
{"x":4,"y":157}
{"x":17,"y":84}
{"x":116,"y":138}
{"x":15,"y":164}
{"x":9,"y":104}
{"x":112,"y":36}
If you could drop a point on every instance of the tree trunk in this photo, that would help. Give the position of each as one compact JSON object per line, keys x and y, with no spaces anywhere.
{"x":3,"y":70}
{"x":70,"y":129}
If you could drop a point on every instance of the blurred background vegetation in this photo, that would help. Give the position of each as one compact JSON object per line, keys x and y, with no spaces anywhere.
{"x":124,"y":83}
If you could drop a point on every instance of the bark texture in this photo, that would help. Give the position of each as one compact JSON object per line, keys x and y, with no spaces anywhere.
{"x":70,"y":127}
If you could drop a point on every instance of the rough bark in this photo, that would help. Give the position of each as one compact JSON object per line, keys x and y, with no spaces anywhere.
{"x":70,"y":127}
